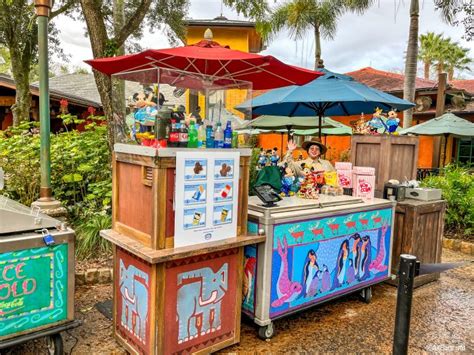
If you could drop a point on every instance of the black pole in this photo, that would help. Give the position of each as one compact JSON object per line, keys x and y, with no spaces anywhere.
{"x":406,"y":276}
{"x":320,"y":126}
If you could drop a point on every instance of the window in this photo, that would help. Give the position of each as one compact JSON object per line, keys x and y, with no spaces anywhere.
{"x":466,"y":150}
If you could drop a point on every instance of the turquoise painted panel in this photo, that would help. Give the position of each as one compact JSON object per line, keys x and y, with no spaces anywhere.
{"x":318,"y":259}
{"x":252,"y":228}
{"x":33,"y":288}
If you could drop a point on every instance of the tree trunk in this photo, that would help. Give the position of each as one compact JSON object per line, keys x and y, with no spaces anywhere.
{"x":411,"y":62}
{"x":427,"y":69}
{"x":21,"y":72}
{"x":118,"y":86}
{"x":318,"y":63}
{"x":450,"y":74}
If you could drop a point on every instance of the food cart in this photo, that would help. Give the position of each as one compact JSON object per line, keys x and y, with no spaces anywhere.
{"x":36,"y":276}
{"x":315,"y":251}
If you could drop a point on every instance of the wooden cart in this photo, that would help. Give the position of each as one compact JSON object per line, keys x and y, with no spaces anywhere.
{"x":166,"y":299}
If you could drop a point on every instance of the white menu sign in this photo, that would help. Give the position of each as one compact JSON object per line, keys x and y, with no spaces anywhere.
{"x":206,"y":199}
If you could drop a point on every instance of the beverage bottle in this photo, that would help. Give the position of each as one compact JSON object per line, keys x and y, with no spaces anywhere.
{"x":209,"y":137}
{"x":183,"y":135}
{"x":192,"y":136}
{"x":202,"y":136}
{"x":228,"y":135}
{"x":235,"y":139}
{"x":219,"y":136}
{"x":173,"y":140}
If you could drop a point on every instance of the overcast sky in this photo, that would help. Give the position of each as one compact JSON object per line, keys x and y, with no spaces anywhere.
{"x":377,"y":38}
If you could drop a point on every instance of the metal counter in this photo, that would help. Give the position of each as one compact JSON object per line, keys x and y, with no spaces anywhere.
{"x":36,"y":280}
{"x":315,"y":250}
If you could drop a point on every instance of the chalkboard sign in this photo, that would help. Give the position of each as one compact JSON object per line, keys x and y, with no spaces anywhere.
{"x":267,"y":194}
{"x":33,"y":288}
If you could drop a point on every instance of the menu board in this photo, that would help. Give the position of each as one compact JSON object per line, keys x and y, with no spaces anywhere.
{"x":206,"y":197}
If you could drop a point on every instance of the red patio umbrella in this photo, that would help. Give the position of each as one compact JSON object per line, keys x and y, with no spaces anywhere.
{"x":211,"y":59}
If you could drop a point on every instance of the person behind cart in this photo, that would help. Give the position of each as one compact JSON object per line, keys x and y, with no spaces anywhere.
{"x":313,"y":162}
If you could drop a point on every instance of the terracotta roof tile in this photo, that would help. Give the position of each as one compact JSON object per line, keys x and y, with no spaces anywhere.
{"x":387,"y":81}
{"x":467,"y":85}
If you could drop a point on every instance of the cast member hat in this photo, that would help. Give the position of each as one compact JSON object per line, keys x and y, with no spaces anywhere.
{"x":314,"y":141}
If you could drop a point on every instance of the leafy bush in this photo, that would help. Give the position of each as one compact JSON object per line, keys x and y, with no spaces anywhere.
{"x":80,"y":176}
{"x":89,"y":242}
{"x":457,"y":185}
{"x":253,"y":169}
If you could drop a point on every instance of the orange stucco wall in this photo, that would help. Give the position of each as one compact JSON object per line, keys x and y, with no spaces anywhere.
{"x":339,"y":145}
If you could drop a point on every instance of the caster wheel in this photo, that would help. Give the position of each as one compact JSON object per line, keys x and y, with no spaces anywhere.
{"x":266,"y":332}
{"x":55,"y":344}
{"x":366,"y":294}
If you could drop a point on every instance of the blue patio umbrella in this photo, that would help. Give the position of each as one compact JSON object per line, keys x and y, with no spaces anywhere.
{"x":329,"y":95}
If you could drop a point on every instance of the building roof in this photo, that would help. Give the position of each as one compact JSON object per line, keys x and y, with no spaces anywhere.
{"x":219,"y":21}
{"x":81,"y":89}
{"x":467,"y":85}
{"x":387,"y":81}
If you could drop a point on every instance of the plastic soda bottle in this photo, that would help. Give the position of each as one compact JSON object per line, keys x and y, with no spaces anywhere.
{"x":209,"y":137}
{"x":202,"y":136}
{"x":228,"y":135}
{"x":183,"y":135}
{"x":219,"y":136}
{"x":235,"y":139}
{"x":173,"y":140}
{"x":192,"y":136}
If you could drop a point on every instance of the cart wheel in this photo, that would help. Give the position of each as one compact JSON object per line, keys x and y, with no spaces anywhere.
{"x":266,"y":332}
{"x":366,"y":294}
{"x":55,"y":344}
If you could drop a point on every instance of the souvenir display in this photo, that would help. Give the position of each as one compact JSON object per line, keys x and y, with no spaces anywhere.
{"x":376,"y":122}
{"x":392,"y":122}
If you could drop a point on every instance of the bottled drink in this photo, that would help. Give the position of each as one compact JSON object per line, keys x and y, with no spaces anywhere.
{"x":192,"y":136}
{"x":183,"y":136}
{"x":219,"y":136}
{"x":228,"y":135}
{"x":235,"y":139}
{"x":209,"y":137}
{"x":202,"y":136}
{"x":173,"y":140}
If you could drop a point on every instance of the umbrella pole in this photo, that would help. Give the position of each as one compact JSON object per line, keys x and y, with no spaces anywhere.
{"x":320,"y":126}
{"x":281,"y":143}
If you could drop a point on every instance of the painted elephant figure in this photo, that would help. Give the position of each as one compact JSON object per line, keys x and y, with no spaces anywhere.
{"x":200,"y":294}
{"x":134,"y":299}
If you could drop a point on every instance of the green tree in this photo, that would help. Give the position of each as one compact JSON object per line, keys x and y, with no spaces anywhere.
{"x":429,"y":47}
{"x":5,"y":61}
{"x":457,"y":58}
{"x":19,"y":33}
{"x":109,"y":31}
{"x":412,"y":50}
{"x":299,"y":16}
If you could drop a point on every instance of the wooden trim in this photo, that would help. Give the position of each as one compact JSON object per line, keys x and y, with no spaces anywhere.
{"x":114,"y":191}
{"x":153,"y":302}
{"x":133,"y":233}
{"x":238,"y":304}
{"x":161,"y":183}
{"x":135,"y":159}
{"x":124,"y":343}
{"x":159,"y":256}
{"x":160,"y":291}
{"x":218,"y":346}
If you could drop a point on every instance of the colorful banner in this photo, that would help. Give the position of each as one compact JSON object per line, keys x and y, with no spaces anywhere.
{"x":317,"y":259}
{"x":33,"y":288}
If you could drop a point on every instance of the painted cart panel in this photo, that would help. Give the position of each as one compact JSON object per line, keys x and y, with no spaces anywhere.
{"x":317,"y":259}
{"x":132,"y":295}
{"x":201,"y":301}
{"x":33,"y":288}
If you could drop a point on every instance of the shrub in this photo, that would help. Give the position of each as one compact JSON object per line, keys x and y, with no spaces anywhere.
{"x":457,"y":185}
{"x":89,"y":242}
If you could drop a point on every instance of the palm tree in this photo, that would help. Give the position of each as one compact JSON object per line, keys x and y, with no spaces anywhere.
{"x":457,"y":59}
{"x":447,"y":8}
{"x":443,"y":51}
{"x":429,"y":46}
{"x":299,"y":16}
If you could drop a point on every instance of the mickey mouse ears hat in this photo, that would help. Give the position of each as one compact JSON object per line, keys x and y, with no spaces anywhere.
{"x":314,"y":141}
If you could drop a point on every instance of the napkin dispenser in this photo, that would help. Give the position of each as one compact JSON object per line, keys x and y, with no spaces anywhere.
{"x":394,"y":192}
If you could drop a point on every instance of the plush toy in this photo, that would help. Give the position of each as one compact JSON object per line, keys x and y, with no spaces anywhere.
{"x":146,"y":109}
{"x":287,"y":181}
{"x":309,"y":187}
{"x":274,"y":158}
{"x":262,"y":159}
{"x":268,"y":155}
{"x":360,"y":126}
{"x":376,"y":122}
{"x":393,"y":121}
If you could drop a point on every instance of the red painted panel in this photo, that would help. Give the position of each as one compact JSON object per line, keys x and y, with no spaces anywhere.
{"x":200,"y":306}
{"x":132,"y":287}
{"x":170,"y":177}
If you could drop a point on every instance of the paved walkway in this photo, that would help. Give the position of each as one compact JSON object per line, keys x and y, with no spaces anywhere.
{"x":442,"y":321}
